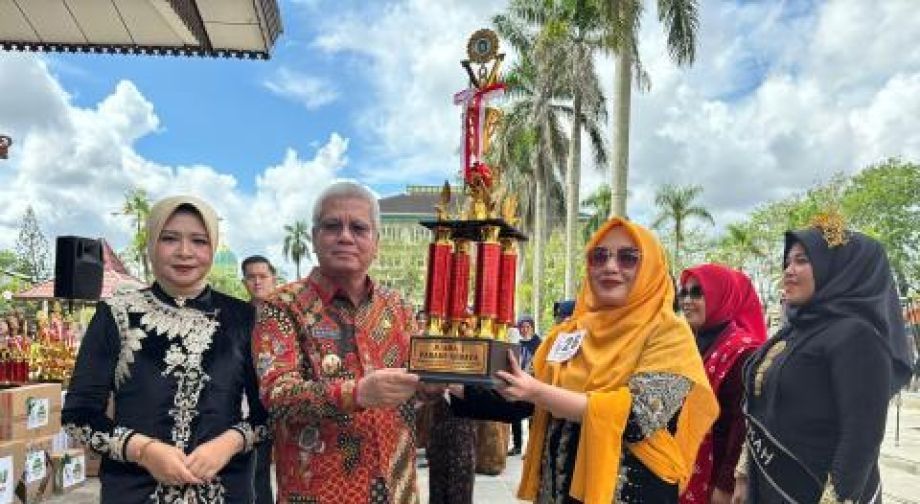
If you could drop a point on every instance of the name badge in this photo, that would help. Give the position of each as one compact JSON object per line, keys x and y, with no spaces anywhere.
{"x":566,"y":346}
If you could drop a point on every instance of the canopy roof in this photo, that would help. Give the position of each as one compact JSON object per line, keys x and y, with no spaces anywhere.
{"x":241,"y":28}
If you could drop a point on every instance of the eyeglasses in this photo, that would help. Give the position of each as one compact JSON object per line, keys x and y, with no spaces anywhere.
{"x":627,"y":257}
{"x":695,"y":292}
{"x":336,"y":227}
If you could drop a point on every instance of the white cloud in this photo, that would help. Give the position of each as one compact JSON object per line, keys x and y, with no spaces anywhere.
{"x":411,"y":51}
{"x":311,"y":92}
{"x":782,"y":95}
{"x":73,"y":165}
{"x":776,"y":101}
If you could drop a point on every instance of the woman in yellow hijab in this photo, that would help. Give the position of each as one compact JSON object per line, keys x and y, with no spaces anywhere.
{"x":619,"y":396}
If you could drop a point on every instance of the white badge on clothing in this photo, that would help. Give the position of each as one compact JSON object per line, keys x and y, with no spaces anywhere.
{"x":566,"y":346}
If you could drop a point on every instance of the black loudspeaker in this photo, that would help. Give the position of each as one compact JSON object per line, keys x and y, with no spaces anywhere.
{"x":77,"y":268}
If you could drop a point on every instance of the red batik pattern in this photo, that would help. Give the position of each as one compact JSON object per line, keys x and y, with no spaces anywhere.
{"x":311,"y":345}
{"x":726,"y":352}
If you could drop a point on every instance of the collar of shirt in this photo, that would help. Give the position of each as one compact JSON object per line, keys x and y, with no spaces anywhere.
{"x":329,"y":290}
{"x":203,"y":301}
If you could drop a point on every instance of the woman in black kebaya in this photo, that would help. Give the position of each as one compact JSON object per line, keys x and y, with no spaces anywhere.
{"x":176,"y":359}
{"x":817,"y":393}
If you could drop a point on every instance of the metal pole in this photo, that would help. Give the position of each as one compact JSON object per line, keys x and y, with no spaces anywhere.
{"x":897,"y":422}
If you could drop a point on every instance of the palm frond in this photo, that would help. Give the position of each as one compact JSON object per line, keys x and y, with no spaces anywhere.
{"x":681,"y":22}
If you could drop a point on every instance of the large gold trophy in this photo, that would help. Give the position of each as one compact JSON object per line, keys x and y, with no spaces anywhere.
{"x":460,"y":345}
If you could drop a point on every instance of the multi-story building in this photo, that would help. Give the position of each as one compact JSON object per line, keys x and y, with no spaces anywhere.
{"x":404,"y":242}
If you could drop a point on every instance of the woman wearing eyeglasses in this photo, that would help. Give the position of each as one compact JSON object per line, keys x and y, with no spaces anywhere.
{"x":620,"y":399}
{"x":727,"y":319}
{"x":816,"y":395}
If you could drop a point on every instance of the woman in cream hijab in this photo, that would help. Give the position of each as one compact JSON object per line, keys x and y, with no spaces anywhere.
{"x":619,"y":396}
{"x":175,"y":359}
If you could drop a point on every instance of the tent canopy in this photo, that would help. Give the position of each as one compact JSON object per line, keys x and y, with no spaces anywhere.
{"x":241,"y":28}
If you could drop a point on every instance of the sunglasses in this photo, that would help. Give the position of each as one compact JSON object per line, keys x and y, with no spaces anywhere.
{"x":695,"y":292}
{"x":627,"y":257}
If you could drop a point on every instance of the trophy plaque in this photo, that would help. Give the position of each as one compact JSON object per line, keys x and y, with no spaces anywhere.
{"x":473,"y":251}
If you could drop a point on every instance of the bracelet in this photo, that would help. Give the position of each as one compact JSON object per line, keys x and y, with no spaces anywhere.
{"x":143,"y":449}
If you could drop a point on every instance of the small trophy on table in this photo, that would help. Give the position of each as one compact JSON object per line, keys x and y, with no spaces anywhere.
{"x":458,"y":346}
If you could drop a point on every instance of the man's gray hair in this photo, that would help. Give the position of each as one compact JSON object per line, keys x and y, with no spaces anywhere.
{"x":347,"y":189}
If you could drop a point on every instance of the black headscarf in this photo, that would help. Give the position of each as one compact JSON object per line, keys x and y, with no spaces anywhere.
{"x":854,"y":280}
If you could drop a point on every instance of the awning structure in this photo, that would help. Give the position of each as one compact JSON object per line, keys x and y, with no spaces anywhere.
{"x":216,"y":28}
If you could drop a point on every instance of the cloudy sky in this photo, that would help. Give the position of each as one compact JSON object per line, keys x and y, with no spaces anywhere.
{"x":782,"y":95}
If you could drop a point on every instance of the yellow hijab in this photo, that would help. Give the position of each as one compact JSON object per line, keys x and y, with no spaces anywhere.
{"x":165,"y":208}
{"x":643,"y":336}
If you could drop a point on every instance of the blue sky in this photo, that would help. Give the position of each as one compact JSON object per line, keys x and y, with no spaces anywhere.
{"x":782,"y":95}
{"x":218,"y":111}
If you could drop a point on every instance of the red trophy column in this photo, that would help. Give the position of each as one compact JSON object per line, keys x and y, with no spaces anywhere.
{"x":460,"y":285}
{"x":506,"y":282}
{"x":487,"y":268}
{"x":437,"y":292}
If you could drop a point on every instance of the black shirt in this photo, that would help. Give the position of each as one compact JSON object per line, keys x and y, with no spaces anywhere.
{"x":177,"y":374}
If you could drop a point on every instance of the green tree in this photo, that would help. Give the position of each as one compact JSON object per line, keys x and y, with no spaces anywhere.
{"x":598,"y":204}
{"x":743,"y":247}
{"x":739,"y":246}
{"x":297,"y":243}
{"x":882,"y":201}
{"x":32,"y":248}
{"x":680,"y":20}
{"x":572,"y":32}
{"x":11,"y":279}
{"x":552,"y":286}
{"x":228,"y":282}
{"x":531,"y":144}
{"x":137,"y":205}
{"x":677,"y":205}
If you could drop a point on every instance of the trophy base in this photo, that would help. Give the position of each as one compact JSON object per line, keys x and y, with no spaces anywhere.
{"x":461,"y":360}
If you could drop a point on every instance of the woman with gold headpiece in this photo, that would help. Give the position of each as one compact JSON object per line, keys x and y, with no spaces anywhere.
{"x":620,"y":399}
{"x":176,"y":360}
{"x":817,"y":393}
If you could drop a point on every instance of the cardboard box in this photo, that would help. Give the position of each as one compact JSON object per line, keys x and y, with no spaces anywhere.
{"x":93,"y":459}
{"x":39,"y":474}
{"x":69,"y":470}
{"x":12,"y":466}
{"x":30,"y":411}
{"x":93,"y":463}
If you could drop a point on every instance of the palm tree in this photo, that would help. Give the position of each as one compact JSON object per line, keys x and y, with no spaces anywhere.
{"x":681,"y":22}
{"x":137,"y":205}
{"x":676,"y":204}
{"x":531,"y":145}
{"x":571,"y":31}
{"x":297,"y":243}
{"x":742,"y":243}
{"x":598,"y":203}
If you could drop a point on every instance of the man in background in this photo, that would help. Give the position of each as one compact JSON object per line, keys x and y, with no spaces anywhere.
{"x":259,"y":279}
{"x":529,"y":341}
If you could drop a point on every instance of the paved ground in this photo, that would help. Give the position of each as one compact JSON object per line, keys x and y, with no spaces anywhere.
{"x":900,"y":464}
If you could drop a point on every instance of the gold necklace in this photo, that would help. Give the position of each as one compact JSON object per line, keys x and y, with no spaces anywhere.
{"x":778,"y":347}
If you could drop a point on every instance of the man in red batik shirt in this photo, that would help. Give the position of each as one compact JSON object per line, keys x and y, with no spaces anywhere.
{"x":330,"y":351}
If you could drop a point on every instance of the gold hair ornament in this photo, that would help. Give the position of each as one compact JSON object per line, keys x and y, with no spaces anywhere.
{"x":832,"y":227}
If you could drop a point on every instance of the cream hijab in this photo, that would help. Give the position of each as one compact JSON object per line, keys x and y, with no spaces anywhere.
{"x":165,"y":208}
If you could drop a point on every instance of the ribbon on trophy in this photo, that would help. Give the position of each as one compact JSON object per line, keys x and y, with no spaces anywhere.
{"x":475,"y":101}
